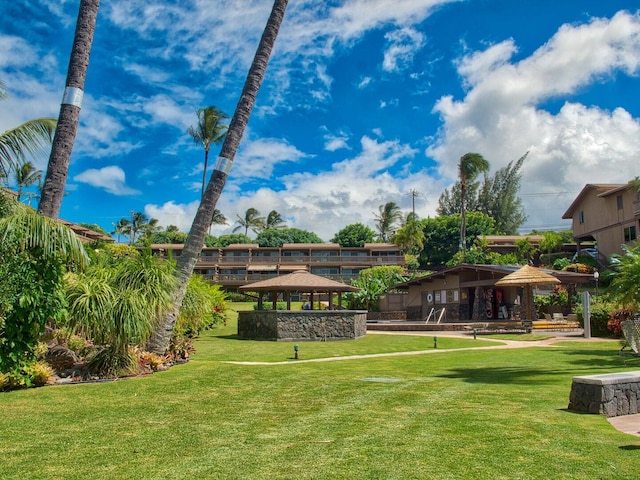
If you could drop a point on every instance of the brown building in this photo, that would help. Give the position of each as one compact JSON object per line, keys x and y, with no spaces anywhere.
{"x":240,"y":264}
{"x":608,"y":214}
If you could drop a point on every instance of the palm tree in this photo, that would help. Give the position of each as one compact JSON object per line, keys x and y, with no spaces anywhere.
{"x":410,"y":237}
{"x":209,"y":131}
{"x":387,"y":219}
{"x":58,"y":168}
{"x":217,"y":219}
{"x":26,"y":176}
{"x":26,"y":139}
{"x":252,"y":220}
{"x":159,"y":342}
{"x":470,"y":166}
{"x":274,"y":221}
{"x":626,"y":280}
{"x":123,"y":227}
{"x":142,"y":224}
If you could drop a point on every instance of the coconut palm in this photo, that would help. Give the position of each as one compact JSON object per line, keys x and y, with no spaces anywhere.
{"x":251,"y":220}
{"x":387,"y":219}
{"x":209,"y":131}
{"x":410,"y":237}
{"x":470,"y":166}
{"x":58,"y":168}
{"x":625,"y":285}
{"x":25,"y":176}
{"x":26,"y":139}
{"x":217,"y":219}
{"x":193,"y":246}
{"x":274,"y":221}
{"x":123,"y":227}
{"x":140,"y":223}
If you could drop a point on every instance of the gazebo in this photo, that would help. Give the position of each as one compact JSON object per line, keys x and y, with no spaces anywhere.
{"x":298,"y":281}
{"x":330,"y":324}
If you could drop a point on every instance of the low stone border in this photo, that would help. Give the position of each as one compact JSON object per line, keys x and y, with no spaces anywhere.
{"x":611,"y":394}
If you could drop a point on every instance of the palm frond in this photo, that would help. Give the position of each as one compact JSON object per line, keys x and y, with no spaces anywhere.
{"x":32,"y":231}
{"x":29,"y":138}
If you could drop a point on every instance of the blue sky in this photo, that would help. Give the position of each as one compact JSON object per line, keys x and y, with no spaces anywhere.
{"x":364,"y":102}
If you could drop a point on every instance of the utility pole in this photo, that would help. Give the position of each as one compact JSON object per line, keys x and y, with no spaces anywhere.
{"x":414,"y":194}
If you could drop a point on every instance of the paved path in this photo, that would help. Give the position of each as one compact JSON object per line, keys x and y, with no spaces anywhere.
{"x":627,"y":423}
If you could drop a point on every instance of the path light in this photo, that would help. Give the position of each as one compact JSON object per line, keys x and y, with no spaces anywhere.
{"x":296,"y":347}
{"x":435,"y":342}
{"x":596,"y":277}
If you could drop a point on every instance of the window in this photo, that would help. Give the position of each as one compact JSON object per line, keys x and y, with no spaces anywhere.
{"x":326,"y":253}
{"x":630,"y":233}
{"x":325,"y":271}
{"x":619,"y":200}
{"x":581,"y":217}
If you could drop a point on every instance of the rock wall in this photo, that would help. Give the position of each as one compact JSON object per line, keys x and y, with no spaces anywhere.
{"x":302,"y":325}
{"x":399,"y":315}
{"x":612,"y":394}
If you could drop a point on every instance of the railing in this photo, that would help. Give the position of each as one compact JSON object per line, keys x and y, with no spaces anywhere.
{"x":439,"y":313}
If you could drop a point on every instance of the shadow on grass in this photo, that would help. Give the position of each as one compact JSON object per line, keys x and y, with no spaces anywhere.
{"x":502,"y":375}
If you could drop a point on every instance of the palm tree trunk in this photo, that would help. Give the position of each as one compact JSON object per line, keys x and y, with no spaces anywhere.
{"x":159,"y":342}
{"x":204,"y":174}
{"x":463,"y":222}
{"x":58,"y":168}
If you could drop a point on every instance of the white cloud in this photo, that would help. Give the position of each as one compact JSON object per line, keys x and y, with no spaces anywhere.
{"x":336,"y":141}
{"x":110,"y":179}
{"x":404,"y":43}
{"x":258,"y":157}
{"x":502,"y":115}
{"x":364,"y":82}
{"x":171,"y":213}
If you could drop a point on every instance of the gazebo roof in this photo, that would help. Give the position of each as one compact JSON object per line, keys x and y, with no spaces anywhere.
{"x":299,"y":281}
{"x":527,"y":276}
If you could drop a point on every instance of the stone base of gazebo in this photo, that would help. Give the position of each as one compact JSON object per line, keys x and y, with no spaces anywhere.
{"x":302,"y":325}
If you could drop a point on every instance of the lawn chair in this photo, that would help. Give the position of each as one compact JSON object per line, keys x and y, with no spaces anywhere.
{"x":631,"y":332}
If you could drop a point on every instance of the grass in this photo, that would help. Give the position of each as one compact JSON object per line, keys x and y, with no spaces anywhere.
{"x":494,"y":414}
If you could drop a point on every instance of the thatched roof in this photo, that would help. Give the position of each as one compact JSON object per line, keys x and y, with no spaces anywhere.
{"x":299,"y":281}
{"x":527,"y":276}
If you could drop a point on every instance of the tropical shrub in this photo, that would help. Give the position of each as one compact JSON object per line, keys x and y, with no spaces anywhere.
{"x":579,"y":268}
{"x":561,"y":263}
{"x":373,"y":284}
{"x":30,"y":374}
{"x":617,"y":317}
{"x":35,"y":252}
{"x":269,"y":306}
{"x":204,"y":305}
{"x":117,"y":307}
{"x":600,"y":314}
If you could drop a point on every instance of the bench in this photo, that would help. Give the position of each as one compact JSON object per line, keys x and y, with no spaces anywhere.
{"x":611,"y":394}
{"x":499,"y":327}
{"x":631,"y":332}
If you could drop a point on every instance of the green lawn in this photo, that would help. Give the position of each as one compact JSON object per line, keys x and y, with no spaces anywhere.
{"x":494,"y":414}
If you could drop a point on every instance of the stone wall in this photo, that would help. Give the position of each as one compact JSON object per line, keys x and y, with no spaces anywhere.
{"x":400,"y":315}
{"x":300,"y":325}
{"x":611,"y":394}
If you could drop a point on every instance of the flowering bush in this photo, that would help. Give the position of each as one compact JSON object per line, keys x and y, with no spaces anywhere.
{"x":614,"y":325}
